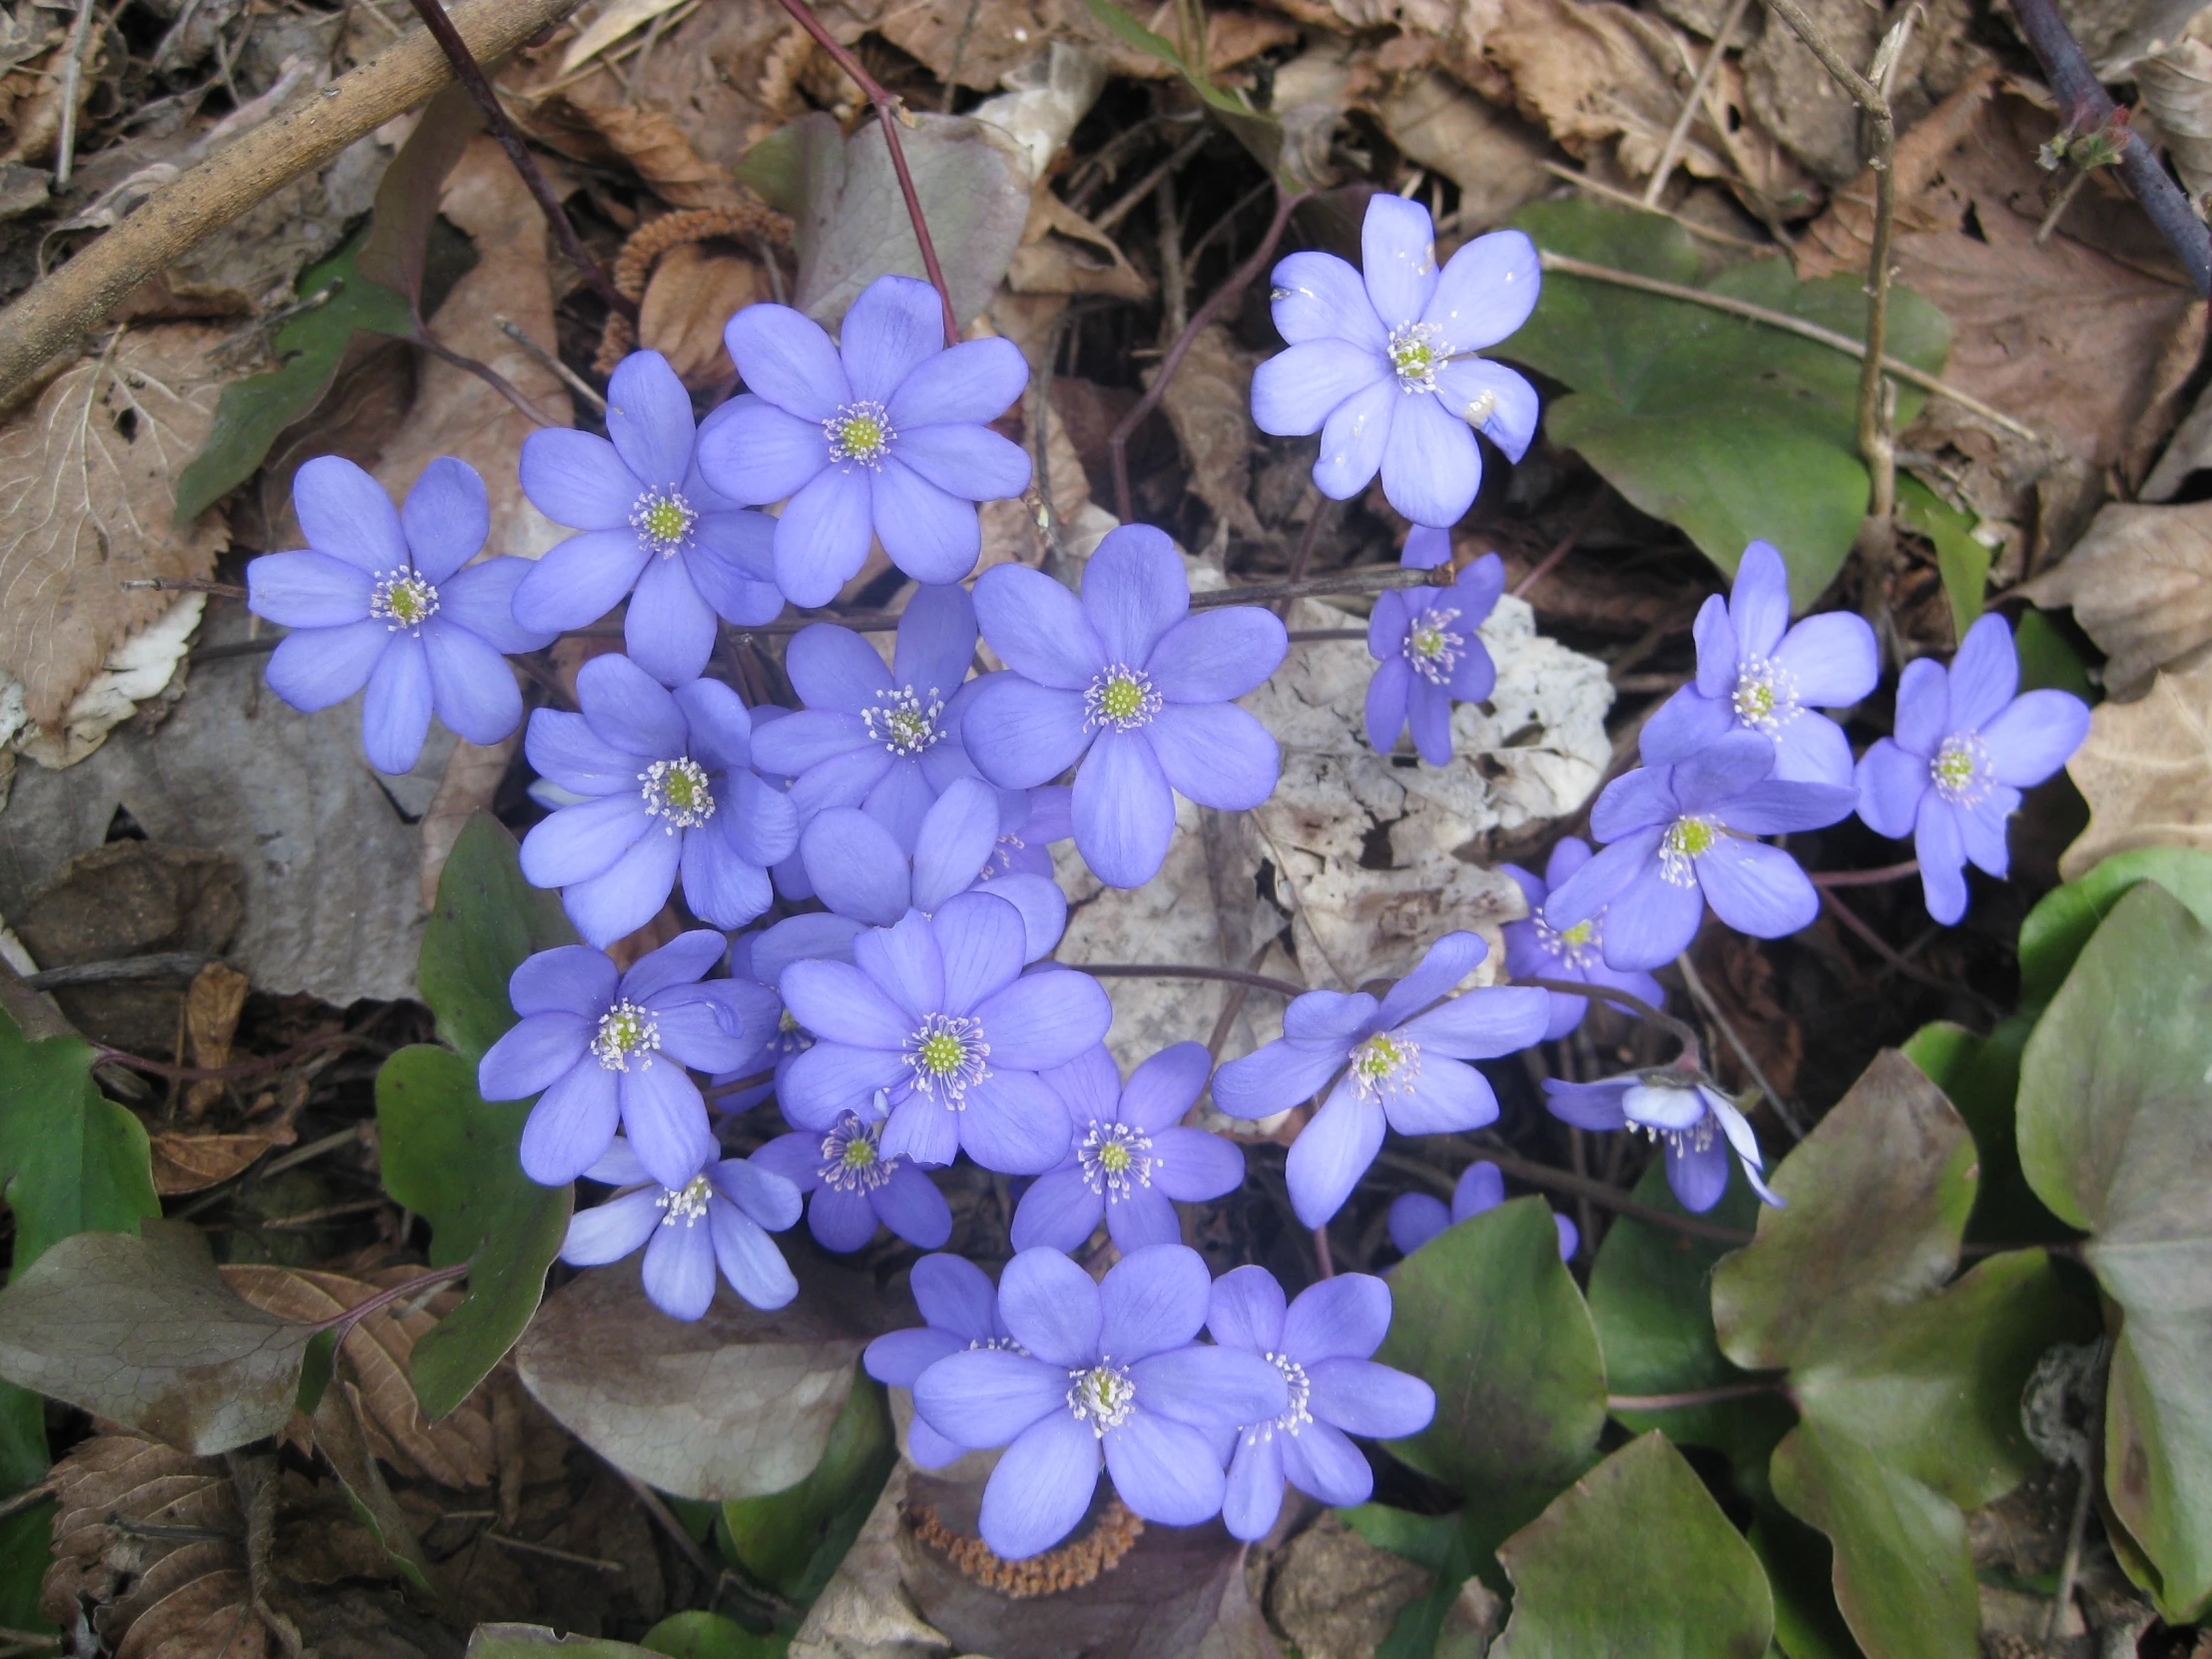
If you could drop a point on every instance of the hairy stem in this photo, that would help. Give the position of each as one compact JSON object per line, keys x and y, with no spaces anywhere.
{"x":1695,"y":1397}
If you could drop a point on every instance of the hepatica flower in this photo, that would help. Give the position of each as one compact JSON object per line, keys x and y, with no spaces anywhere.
{"x":1391,"y":1062}
{"x":1429,"y":657}
{"x":884,"y":435}
{"x":1130,"y":1154}
{"x":379,"y":598}
{"x":887,"y":740}
{"x":1755,"y":672}
{"x":609,"y":1049}
{"x":1026,"y":836}
{"x":937,"y":1013}
{"x":1111,"y":1372}
{"x":1698,"y":1123}
{"x":1130,"y":683}
{"x":1416,"y":1218}
{"x":860,"y":872}
{"x":650,"y":523}
{"x":1681,"y":838}
{"x":1320,"y":1343}
{"x":960,"y":1308}
{"x":1383,"y":363}
{"x":668,"y":790}
{"x":1535,"y":949}
{"x":1964,"y":748}
{"x":721,"y":1217}
{"x":854,"y":1186}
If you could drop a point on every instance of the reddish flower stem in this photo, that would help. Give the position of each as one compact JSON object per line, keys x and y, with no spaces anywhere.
{"x":345,"y":1321}
{"x":223,"y":1074}
{"x":1866,"y":877}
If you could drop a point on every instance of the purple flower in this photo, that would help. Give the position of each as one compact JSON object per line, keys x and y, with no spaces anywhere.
{"x":1426,"y":547}
{"x":961,"y":1309}
{"x":1113,"y":1369}
{"x":855,"y":1186}
{"x":860,"y":872}
{"x":884,"y":433}
{"x":1416,"y":1218}
{"x":1131,"y":684}
{"x":1400,"y":1065}
{"x":605,"y":1047}
{"x":740,"y":1204}
{"x":381,"y":599}
{"x":755,"y":960}
{"x":1754,"y":676}
{"x":1682,"y":838}
{"x":1536,"y":950}
{"x":649,"y":522}
{"x":1682,"y":1112}
{"x":1320,"y":1343}
{"x":1429,"y":657}
{"x":1024,"y":846}
{"x":937,"y":1013}
{"x":1964,"y":748}
{"x":1384,"y":365}
{"x":887,"y":740}
{"x":1130,"y":1156}
{"x":670,"y":788}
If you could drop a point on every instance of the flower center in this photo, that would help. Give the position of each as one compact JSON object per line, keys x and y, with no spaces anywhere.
{"x":1385,"y":1064}
{"x":1296,"y":1416}
{"x":851,"y":1158}
{"x":403,"y":601}
{"x":1432,"y":645}
{"x":1415,"y":350}
{"x":1575,"y":946}
{"x":1687,"y":840}
{"x":685,"y":1204}
{"x":1121,"y":697}
{"x":676,"y":793}
{"x":1961,"y":770}
{"x":663,"y":520}
{"x":1115,"y":1159}
{"x":626,"y":1029}
{"x":906,"y":724}
{"x":1102,"y":1395}
{"x":1765,"y":698}
{"x":860,"y":434}
{"x":948,"y":1054}
{"x":1001,"y":860}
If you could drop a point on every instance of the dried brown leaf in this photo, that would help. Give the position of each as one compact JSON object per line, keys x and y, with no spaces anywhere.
{"x":1489,"y":153}
{"x":2140,"y":585}
{"x":2146,"y":771}
{"x":692,"y":295}
{"x":87,"y":483}
{"x":1061,"y":251}
{"x":2176,"y":86}
{"x":470,"y":779}
{"x":1209,"y":404}
{"x":193,"y":1163}
{"x":610,"y":25}
{"x":659,"y":149}
{"x":211,"y":1007}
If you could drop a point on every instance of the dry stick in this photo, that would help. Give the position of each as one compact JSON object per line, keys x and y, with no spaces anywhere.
{"x":1866,"y":877}
{"x":73,"y":74}
{"x":54,"y":313}
{"x":483,"y":372}
{"x":546,"y":361}
{"x":887,"y":117}
{"x":1117,"y":441}
{"x":1704,"y":999}
{"x":1680,"y":131}
{"x":1144,"y":187}
{"x":1627,"y":199}
{"x":471,"y":75}
{"x":2087,"y":107}
{"x":249,"y":1068}
{"x":1881,"y":948}
{"x":185,"y":584}
{"x":1893,"y":367}
{"x":1172,"y":970}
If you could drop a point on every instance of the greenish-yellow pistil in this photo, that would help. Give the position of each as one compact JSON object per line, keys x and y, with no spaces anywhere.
{"x":1386,"y":1063}
{"x":1582,"y":932}
{"x":942,"y":1055}
{"x":1102,"y":1395}
{"x":676,"y":793}
{"x":859,"y":433}
{"x":858,"y":1154}
{"x":685,"y":1204}
{"x":1120,"y":697}
{"x":946,"y":1055}
{"x":403,"y":601}
{"x":626,"y":1031}
{"x":1417,"y":351}
{"x":1687,"y":840}
{"x":663,"y":520}
{"x":1961,"y":769}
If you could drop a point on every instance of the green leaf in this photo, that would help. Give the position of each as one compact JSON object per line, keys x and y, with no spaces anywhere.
{"x":1960,"y":559}
{"x":1489,"y":1318}
{"x":1902,"y":1574}
{"x":455,"y":1158}
{"x":2060,"y":925}
{"x":1800,"y":1567}
{"x":1436,"y":1543}
{"x":342,"y":1436}
{"x":1982,"y":1077}
{"x":255,"y":410}
{"x":1635,"y":1557}
{"x":26,"y":1549}
{"x":793,"y":1541}
{"x":2115,"y":1128}
{"x":2049,"y":661}
{"x":71,"y":1160}
{"x":487,"y":920}
{"x":703,"y":1636}
{"x":1732,"y":429}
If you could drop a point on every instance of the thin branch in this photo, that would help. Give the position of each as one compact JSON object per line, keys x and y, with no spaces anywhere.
{"x":73,"y":74}
{"x":1680,"y":131}
{"x":471,"y":75}
{"x":163,"y":965}
{"x":1544,"y":566}
{"x":1144,"y":187}
{"x":1705,"y":1000}
{"x":1117,"y":441}
{"x":547,"y":360}
{"x":888,"y":117}
{"x":248,"y":1068}
{"x":483,"y":372}
{"x":1697,"y":1396}
{"x":1578,"y":1186}
{"x":1172,"y":970}
{"x":345,"y":1321}
{"x":1893,"y":367}
{"x":1680,"y":1030}
{"x":1866,"y":877}
{"x":1881,"y":948}
{"x":185,"y":584}
{"x":1628,"y":199}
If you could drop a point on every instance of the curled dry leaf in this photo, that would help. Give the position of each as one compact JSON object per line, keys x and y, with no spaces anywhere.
{"x":212,"y":1003}
{"x":1494,"y":156}
{"x":2140,"y":585}
{"x":692,"y":295}
{"x":193,"y":1163}
{"x":2176,"y":85}
{"x":86,"y":482}
{"x":659,"y":149}
{"x":2146,"y":771}
{"x":1061,"y":251}
{"x":1209,"y":404}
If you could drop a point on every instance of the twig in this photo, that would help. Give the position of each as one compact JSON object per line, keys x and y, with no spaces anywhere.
{"x":2077,"y":1524}
{"x":345,"y":1321}
{"x":1627,"y":199}
{"x":2059,"y":203}
{"x":551,"y":1553}
{"x":248,"y":1068}
{"x":1325,"y":1264}
{"x":54,"y":313}
{"x":483,"y":372}
{"x":1680,"y":131}
{"x":1788,"y":324}
{"x":1866,"y":877}
{"x":15,"y":1506}
{"x":165,"y":964}
{"x":185,"y":584}
{"x":1117,"y":441}
{"x":687,"y":1545}
{"x":1682,"y":1031}
{"x":1881,"y":948}
{"x":1172,"y":970}
{"x":1704,"y":999}
{"x":2087,"y":107}
{"x":1144,"y":187}
{"x":547,"y":360}
{"x":1696,"y":1397}
{"x":888,"y":117}
{"x":1544,"y":566}
{"x":1578,"y":1186}
{"x":73,"y":74}
{"x":471,"y":75}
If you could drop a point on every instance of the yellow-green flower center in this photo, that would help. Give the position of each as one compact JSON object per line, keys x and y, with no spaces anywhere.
{"x":942,"y":1055}
{"x":1433,"y":644}
{"x":1102,"y":1395}
{"x":1386,"y":1063}
{"x":1115,"y":1159}
{"x":1765,"y":698}
{"x":948,"y":1056}
{"x":1687,"y":840}
{"x":860,"y":433}
{"x":852,"y":1161}
{"x":676,"y":793}
{"x":905,"y":721}
{"x":687,"y":1202}
{"x":662,"y":519}
{"x":403,"y":601}
{"x":1961,"y":770}
{"x":625,"y":1030}
{"x":1582,"y":932}
{"x":1415,"y":351}
{"x":1122,"y":698}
